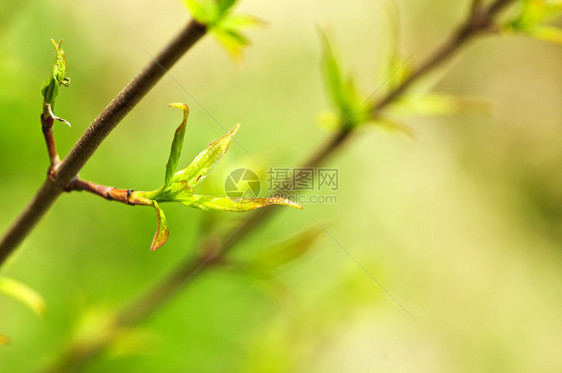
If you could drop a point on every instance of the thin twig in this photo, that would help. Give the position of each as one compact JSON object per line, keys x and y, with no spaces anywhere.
{"x":100,"y":128}
{"x":152,"y":300}
{"x":125,"y":196}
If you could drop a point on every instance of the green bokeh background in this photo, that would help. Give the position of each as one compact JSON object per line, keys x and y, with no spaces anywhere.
{"x":463,"y":225}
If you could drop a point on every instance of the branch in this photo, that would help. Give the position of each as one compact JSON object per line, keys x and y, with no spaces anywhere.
{"x":61,"y":175}
{"x":80,"y":353}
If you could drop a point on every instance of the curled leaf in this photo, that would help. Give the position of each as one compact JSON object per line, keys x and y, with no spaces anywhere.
{"x":206,"y":161}
{"x":50,"y":86}
{"x":177,"y":144}
{"x":235,"y":204}
{"x":24,"y":294}
{"x":162,"y":232}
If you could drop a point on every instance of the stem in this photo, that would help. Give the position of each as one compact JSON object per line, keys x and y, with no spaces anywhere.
{"x":178,"y":278}
{"x":100,"y":128}
{"x":126,"y":196}
{"x":47,"y":128}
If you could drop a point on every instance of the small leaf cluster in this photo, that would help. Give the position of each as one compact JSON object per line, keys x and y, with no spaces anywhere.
{"x":179,"y":186}
{"x":532,"y":17}
{"x":58,"y":77}
{"x":355,"y":109}
{"x":224,"y":26}
{"x":343,"y":91}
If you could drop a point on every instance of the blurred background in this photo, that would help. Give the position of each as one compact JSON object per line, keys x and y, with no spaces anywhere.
{"x":462,"y":225}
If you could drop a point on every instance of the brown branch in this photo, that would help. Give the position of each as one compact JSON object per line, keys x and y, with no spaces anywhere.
{"x":78,"y":354}
{"x":100,"y":128}
{"x":47,"y":128}
{"x":125,"y":196}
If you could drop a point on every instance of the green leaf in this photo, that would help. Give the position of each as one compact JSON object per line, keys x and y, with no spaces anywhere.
{"x":285,"y":252}
{"x":342,"y":90}
{"x":234,"y":204}
{"x":162,"y":232}
{"x":59,"y":65}
{"x":177,"y":144}
{"x":228,"y":32}
{"x":532,"y":13}
{"x":546,"y":33}
{"x":434,"y":104}
{"x":239,"y":21}
{"x":225,"y":5}
{"x":232,"y":40}
{"x":49,"y":88}
{"x":204,"y":11}
{"x":394,"y":126}
{"x":24,"y":294}
{"x":206,"y":161}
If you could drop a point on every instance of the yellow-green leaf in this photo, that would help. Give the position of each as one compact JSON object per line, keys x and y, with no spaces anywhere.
{"x":225,"y":5}
{"x":206,"y":161}
{"x":204,"y":11}
{"x":434,"y":104}
{"x":162,"y":232}
{"x":177,"y":144}
{"x":232,"y":40}
{"x":342,"y":90}
{"x":235,"y":204}
{"x":24,"y":294}
{"x":49,"y":88}
{"x":285,"y":252}
{"x":546,"y":33}
{"x":394,"y":126}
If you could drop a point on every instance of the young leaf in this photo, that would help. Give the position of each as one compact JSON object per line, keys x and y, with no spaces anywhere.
{"x":206,"y":161}
{"x":177,"y":144}
{"x":204,"y":11}
{"x":394,"y":126}
{"x":531,"y":17}
{"x":225,"y":5}
{"x":234,"y":204}
{"x":49,"y":88}
{"x":24,"y":294}
{"x":285,"y":252}
{"x":232,"y":40}
{"x":59,"y":65}
{"x":342,"y":90}
{"x":162,"y":232}
{"x":228,"y":32}
{"x":434,"y":104}
{"x":546,"y":33}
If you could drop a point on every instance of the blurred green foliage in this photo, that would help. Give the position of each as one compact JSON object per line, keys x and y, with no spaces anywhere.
{"x":462,"y":226}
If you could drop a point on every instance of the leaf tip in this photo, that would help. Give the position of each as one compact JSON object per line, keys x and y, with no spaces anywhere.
{"x":234,"y":129}
{"x":285,"y":201}
{"x":181,"y":105}
{"x":162,"y":232}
